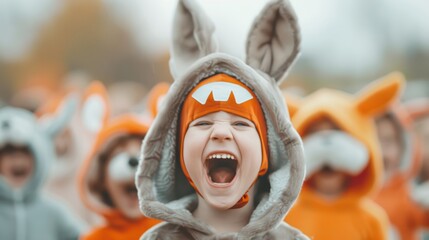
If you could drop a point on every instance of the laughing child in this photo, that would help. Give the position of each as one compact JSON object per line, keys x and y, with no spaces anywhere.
{"x":222,"y":160}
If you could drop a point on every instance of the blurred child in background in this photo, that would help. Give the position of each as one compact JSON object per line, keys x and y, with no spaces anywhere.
{"x":107,"y":182}
{"x":401,"y":158}
{"x":26,"y":152}
{"x":73,"y":144}
{"x":419,"y":111}
{"x":343,"y":162}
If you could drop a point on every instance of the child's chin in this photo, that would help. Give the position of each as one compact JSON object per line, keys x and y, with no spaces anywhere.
{"x":17,"y":183}
{"x":223,"y":204}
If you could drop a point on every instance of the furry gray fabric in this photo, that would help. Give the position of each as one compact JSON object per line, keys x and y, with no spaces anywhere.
{"x":25,"y":212}
{"x":163,"y":190}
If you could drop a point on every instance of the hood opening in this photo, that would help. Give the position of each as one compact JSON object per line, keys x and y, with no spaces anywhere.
{"x":96,"y":183}
{"x":362,"y":183}
{"x":20,"y":168}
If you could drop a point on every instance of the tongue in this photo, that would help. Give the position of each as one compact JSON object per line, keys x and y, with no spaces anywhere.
{"x":222,"y":175}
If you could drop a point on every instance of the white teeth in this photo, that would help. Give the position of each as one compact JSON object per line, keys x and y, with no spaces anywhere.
{"x":223,"y":155}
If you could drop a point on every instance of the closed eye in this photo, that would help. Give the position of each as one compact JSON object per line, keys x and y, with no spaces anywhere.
{"x":202,"y":123}
{"x":241,"y":124}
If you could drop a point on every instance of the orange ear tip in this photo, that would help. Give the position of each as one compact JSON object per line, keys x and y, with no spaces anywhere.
{"x":96,"y":87}
{"x":155,"y":94}
{"x":396,"y":79}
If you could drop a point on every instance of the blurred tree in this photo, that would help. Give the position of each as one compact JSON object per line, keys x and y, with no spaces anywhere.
{"x":83,"y":36}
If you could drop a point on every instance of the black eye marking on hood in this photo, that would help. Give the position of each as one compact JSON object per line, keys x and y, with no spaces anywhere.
{"x":5,"y":124}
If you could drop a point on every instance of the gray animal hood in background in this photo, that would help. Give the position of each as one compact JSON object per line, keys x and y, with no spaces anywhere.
{"x":20,"y":127}
{"x":25,"y":213}
{"x":164,"y":192}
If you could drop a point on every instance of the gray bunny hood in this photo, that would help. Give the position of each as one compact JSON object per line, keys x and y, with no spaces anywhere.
{"x":164,"y":192}
{"x":19,"y":127}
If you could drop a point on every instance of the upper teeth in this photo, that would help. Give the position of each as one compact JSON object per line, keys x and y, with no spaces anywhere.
{"x":222,"y":155}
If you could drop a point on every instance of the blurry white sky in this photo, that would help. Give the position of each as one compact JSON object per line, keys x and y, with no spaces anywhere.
{"x":340,"y":36}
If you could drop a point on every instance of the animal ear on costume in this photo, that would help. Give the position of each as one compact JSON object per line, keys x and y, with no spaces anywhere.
{"x":193,"y":37}
{"x":417,"y":107}
{"x":155,"y":98}
{"x":292,"y":102}
{"x":380,"y":94}
{"x":274,"y":40}
{"x":95,"y":109}
{"x":53,"y":123}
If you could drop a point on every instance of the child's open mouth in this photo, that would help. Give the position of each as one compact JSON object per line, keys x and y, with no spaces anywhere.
{"x":221,"y":167}
{"x":129,"y":189}
{"x":20,"y":172}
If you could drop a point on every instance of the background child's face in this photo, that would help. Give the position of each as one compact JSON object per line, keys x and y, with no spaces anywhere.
{"x":16,"y":165}
{"x":390,"y":142}
{"x":119,"y":179}
{"x":422,"y":131}
{"x":327,"y":180}
{"x":222,"y":153}
{"x":63,"y":142}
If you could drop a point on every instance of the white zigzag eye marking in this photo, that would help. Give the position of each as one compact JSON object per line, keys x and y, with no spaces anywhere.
{"x":221,"y":92}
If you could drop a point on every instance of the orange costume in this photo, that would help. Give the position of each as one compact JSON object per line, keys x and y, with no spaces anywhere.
{"x":352,"y":215}
{"x":117,"y":225}
{"x":405,"y":215}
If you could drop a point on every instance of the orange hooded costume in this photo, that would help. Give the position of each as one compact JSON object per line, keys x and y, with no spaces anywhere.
{"x":404,"y":214}
{"x":117,"y":226}
{"x":352,"y":215}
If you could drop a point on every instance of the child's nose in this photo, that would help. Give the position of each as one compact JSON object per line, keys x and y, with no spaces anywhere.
{"x":221,"y":132}
{"x":133,"y":162}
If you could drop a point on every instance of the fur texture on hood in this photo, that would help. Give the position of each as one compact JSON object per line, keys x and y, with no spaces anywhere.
{"x":164,"y":192}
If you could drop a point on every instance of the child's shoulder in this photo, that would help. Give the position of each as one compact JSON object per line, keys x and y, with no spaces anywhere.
{"x":374,"y":214}
{"x":166,"y":231}
{"x":285,"y":231}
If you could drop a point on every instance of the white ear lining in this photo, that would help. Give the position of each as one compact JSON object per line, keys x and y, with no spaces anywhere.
{"x":93,"y":112}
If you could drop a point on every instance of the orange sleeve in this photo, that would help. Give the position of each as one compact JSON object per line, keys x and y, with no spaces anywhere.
{"x":421,"y":216}
{"x":378,"y":219}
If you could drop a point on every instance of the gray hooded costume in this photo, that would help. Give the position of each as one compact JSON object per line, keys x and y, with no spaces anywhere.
{"x":164,"y":192}
{"x":24,"y":213}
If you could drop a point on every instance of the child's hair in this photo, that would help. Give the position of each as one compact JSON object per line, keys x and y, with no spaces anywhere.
{"x":8,"y":148}
{"x":98,"y":185}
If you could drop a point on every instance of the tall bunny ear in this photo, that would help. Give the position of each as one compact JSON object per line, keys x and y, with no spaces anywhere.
{"x":54,"y":122}
{"x":95,"y":109}
{"x":193,"y":37}
{"x":274,"y":40}
{"x":380,"y":94}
